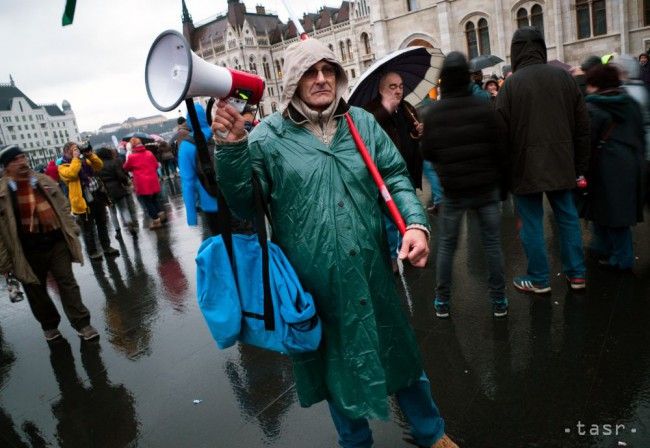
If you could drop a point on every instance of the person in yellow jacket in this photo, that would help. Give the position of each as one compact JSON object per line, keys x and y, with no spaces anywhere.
{"x":88,"y":200}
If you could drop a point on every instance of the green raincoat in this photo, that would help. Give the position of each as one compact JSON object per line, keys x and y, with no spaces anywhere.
{"x":328,"y":219}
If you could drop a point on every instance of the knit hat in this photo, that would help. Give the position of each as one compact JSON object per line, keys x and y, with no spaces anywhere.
{"x":9,"y":153}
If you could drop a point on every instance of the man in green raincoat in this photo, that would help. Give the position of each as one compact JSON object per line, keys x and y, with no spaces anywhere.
{"x":327,"y":218}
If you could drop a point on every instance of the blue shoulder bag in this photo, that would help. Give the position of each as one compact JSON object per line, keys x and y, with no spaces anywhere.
{"x":249,"y":292}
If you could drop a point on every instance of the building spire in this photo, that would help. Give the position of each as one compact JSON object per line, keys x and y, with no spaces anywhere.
{"x":187,"y":18}
{"x":11,"y":81}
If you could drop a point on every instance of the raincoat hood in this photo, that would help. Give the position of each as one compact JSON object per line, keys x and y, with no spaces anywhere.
{"x":454,"y":75}
{"x":298,"y":57}
{"x":203,"y":121}
{"x":528,"y":48}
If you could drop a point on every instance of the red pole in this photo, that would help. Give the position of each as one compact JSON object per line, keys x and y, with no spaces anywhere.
{"x":374,"y":172}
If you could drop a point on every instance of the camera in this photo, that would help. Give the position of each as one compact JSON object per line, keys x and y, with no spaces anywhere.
{"x":85,"y":147}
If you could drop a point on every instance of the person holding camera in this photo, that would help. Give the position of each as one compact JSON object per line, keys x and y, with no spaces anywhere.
{"x":38,"y":237}
{"x":328,"y":220}
{"x":88,"y":197}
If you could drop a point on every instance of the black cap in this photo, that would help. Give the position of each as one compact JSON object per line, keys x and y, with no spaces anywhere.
{"x":9,"y":153}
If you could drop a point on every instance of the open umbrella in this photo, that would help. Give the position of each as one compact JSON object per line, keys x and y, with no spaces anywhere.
{"x":143,"y":136}
{"x":419,"y":68}
{"x":484,"y":61}
{"x":559,"y":64}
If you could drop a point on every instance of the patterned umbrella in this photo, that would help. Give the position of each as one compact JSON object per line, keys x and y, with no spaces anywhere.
{"x":419,"y":68}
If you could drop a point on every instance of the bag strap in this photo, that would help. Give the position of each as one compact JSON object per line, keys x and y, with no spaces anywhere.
{"x":261,"y":211}
{"x":205,"y":173}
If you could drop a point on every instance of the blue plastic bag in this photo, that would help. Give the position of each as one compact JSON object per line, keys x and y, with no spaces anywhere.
{"x":236,"y":307}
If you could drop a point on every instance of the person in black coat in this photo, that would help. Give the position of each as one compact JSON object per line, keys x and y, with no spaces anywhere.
{"x":400,"y":121}
{"x":615,"y":199}
{"x":463,"y":138}
{"x":117,"y":186}
{"x":548,"y":148}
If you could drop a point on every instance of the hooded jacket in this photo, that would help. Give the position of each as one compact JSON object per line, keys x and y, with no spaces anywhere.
{"x":328,"y":220}
{"x":190,"y":183}
{"x":69,"y":173}
{"x":546,"y":119}
{"x":617,"y":166}
{"x":144,"y":166}
{"x":463,"y":135}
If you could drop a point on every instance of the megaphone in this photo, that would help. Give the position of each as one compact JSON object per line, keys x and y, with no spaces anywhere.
{"x":174,"y":73}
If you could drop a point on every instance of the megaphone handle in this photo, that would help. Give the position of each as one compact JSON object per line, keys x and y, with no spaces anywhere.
{"x":237,"y":103}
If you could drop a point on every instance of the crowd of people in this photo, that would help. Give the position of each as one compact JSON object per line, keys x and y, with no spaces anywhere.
{"x":576,"y":137}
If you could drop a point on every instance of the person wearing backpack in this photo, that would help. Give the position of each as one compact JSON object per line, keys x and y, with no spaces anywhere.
{"x":615,"y":173}
{"x":193,"y":190}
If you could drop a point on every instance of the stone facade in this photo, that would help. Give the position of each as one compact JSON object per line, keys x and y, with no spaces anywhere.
{"x":256,"y":41}
{"x":361,"y":31}
{"x":40,"y":130}
{"x":444,"y":24}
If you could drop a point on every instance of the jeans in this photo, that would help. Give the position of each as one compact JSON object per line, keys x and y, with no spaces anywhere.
{"x":432,"y":177}
{"x":427,"y":426}
{"x":150,"y":203}
{"x":168,"y":167}
{"x":614,"y":243}
{"x":489,"y":215}
{"x":393,"y":236}
{"x":530,"y":208}
{"x":95,"y":217}
{"x":58,"y":261}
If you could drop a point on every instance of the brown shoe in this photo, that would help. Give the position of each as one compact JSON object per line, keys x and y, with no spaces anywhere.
{"x":155,"y":224}
{"x":87,"y":333}
{"x":444,"y":442}
{"x":162,"y":216}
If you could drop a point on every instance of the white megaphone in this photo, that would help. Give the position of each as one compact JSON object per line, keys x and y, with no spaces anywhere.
{"x":174,"y":73}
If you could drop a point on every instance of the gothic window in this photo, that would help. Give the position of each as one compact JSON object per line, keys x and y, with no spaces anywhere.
{"x":348,"y":43}
{"x":522,"y":18}
{"x":411,"y":5}
{"x":342,"y":48}
{"x":331,"y":47}
{"x":278,"y":69}
{"x":366,"y":40}
{"x":599,"y":17}
{"x":591,"y":16}
{"x":537,"y":18}
{"x":484,"y":36}
{"x":472,"y":43}
{"x":646,"y":12}
{"x":274,"y":107}
{"x":267,"y":70}
{"x":252,"y":66}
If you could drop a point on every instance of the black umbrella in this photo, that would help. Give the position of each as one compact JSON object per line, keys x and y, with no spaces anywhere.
{"x":484,"y":61}
{"x":419,"y":68}
{"x":143,"y":136}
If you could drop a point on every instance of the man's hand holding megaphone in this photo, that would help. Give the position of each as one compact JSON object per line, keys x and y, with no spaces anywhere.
{"x":227,"y":120}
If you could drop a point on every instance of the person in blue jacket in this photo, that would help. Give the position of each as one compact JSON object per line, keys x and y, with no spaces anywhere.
{"x":193,"y":191}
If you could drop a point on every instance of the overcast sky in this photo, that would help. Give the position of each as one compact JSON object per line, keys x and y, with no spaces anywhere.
{"x":97,"y":63}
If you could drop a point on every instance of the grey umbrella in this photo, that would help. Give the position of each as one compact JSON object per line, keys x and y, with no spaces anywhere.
{"x":484,"y":61}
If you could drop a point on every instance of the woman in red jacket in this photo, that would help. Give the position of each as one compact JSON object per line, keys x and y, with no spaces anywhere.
{"x":144,"y":166}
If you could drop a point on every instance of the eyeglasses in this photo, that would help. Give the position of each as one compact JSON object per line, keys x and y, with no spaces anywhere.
{"x":396,"y":86}
{"x":328,"y":71}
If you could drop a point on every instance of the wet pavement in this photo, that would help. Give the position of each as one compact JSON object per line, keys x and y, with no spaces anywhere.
{"x":563,"y":370}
